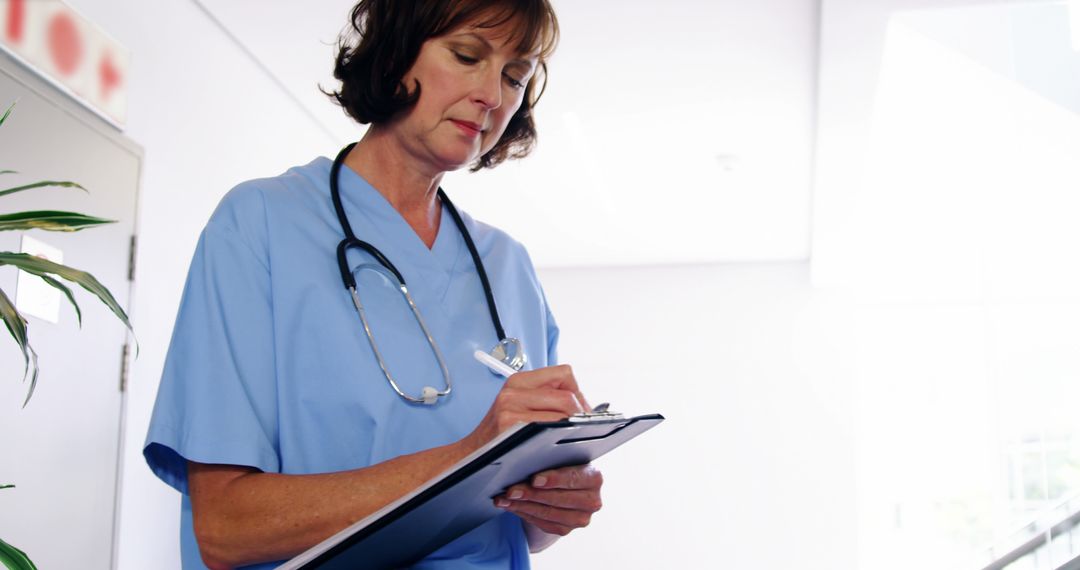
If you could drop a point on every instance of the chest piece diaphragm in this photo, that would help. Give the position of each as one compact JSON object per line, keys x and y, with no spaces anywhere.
{"x":510,"y":352}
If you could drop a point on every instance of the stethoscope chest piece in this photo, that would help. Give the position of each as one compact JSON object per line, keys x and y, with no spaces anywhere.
{"x":510,"y":352}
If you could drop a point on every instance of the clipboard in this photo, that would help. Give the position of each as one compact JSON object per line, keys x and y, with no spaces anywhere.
{"x":460,"y":499}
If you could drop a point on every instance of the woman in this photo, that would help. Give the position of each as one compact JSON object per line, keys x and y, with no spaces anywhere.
{"x":275,"y":418}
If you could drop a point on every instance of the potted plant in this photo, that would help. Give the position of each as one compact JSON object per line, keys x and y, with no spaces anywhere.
{"x":51,"y":273}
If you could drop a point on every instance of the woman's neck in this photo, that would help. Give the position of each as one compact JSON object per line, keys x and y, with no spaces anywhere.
{"x":405,"y":183}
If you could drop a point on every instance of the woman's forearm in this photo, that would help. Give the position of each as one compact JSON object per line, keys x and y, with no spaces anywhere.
{"x":243,"y":516}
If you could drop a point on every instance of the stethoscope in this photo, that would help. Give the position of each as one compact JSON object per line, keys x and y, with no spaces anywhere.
{"x":508,"y":350}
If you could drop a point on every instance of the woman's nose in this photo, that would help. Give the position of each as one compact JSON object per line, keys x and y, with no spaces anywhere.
{"x":488,"y":91}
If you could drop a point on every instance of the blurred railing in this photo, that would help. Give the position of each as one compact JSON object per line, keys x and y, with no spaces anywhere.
{"x":1073,"y":564}
{"x":1049,"y":542}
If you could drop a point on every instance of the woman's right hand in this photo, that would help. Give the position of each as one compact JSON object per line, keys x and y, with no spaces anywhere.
{"x":542,"y":395}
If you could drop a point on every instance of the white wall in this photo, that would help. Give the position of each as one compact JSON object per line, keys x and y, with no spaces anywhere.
{"x":753,"y":468}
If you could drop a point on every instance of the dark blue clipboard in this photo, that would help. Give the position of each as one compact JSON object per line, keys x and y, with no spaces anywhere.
{"x":460,"y":499}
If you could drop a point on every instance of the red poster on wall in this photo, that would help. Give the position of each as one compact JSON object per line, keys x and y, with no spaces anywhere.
{"x":69,"y":50}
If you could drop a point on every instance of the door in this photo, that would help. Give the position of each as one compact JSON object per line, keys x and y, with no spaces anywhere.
{"x":62,"y":450}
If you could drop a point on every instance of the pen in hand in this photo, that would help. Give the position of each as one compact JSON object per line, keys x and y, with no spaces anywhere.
{"x":503,"y":369}
{"x":494,"y":364}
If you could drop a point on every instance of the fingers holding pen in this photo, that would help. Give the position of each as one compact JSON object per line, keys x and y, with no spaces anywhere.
{"x":537,"y":400}
{"x":545,"y":394}
{"x":513,"y":405}
{"x":516,"y":404}
{"x":559,"y":377}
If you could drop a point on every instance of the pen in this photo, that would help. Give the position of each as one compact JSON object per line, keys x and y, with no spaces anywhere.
{"x":494,"y":364}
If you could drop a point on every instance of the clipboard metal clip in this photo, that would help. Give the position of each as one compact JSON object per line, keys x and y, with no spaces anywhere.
{"x":598,"y":414}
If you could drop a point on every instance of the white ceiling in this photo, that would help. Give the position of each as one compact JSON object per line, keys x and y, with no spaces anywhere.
{"x":675,"y":132}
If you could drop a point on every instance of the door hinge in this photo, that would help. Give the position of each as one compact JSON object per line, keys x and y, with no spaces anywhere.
{"x":131,"y":260}
{"x":124,"y":367}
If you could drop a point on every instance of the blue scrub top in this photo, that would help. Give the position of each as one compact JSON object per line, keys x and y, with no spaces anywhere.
{"x":269,"y":366}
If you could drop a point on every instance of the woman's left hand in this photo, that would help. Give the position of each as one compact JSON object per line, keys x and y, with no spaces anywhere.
{"x":556,"y":501}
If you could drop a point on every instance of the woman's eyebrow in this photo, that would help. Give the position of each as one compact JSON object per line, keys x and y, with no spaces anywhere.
{"x":528,"y":63}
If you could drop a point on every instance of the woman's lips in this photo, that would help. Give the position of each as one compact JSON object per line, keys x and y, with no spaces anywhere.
{"x":467,"y":127}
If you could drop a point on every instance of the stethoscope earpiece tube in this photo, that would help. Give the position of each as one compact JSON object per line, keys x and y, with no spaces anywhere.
{"x":499,"y":332}
{"x":343,"y":265}
{"x":335,"y":193}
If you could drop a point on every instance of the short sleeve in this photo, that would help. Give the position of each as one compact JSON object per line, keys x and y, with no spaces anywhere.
{"x":217,"y":399}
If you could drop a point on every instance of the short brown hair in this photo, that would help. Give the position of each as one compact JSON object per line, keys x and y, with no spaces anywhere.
{"x":385,"y":42}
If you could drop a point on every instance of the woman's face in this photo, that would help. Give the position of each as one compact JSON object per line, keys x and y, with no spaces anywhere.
{"x":472,"y":81}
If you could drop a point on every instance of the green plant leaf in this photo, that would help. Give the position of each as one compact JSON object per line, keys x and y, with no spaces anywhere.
{"x":7,"y":486}
{"x":8,"y":172}
{"x":16,"y":325}
{"x":39,"y":266}
{"x":13,"y":558}
{"x":43,"y":184}
{"x":50,"y":220}
{"x":6,"y":113}
{"x":67,"y":292}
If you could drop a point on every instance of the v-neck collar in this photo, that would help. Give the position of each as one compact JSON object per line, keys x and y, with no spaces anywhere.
{"x":375,"y":220}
